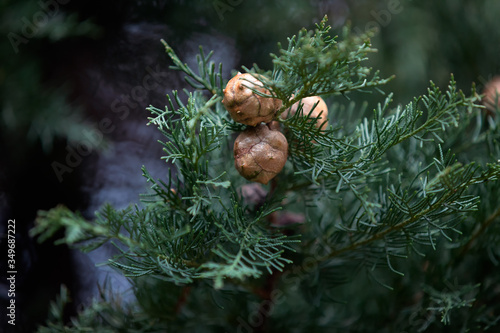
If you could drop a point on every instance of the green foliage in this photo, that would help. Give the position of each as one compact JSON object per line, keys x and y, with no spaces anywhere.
{"x":31,"y":109}
{"x":106,"y":314}
{"x":384,"y":195}
{"x":445,"y":302}
{"x":315,"y":63}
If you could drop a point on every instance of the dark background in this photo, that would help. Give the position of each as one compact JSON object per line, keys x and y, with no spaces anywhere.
{"x":68,"y":66}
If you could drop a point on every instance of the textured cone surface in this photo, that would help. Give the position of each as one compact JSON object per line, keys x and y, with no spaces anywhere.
{"x":492,"y":94}
{"x":320,"y":111}
{"x":260,"y":153}
{"x":244,"y":105}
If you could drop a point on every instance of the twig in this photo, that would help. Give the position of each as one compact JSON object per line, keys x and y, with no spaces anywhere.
{"x":482,"y":228}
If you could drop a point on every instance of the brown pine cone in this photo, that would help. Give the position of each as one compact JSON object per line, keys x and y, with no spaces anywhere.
{"x":260,"y":153}
{"x":492,"y":95}
{"x":244,"y":105}
{"x":320,"y":111}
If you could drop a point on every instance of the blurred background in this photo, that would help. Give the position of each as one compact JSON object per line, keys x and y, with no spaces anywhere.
{"x":76,"y":77}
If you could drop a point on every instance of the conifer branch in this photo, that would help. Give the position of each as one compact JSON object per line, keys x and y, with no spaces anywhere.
{"x":479,"y":231}
{"x":316,"y":63}
{"x":208,"y":76}
{"x":372,"y":191}
{"x":445,"y":190}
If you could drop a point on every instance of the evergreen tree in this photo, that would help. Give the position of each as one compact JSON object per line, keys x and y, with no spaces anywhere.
{"x":378,"y":223}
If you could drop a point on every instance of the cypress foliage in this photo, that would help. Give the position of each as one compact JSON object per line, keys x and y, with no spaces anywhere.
{"x":397,"y":207}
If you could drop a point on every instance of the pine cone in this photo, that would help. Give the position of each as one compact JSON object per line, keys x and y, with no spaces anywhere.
{"x":244,"y":105}
{"x":320,"y":111}
{"x":492,"y":95}
{"x":260,"y":153}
